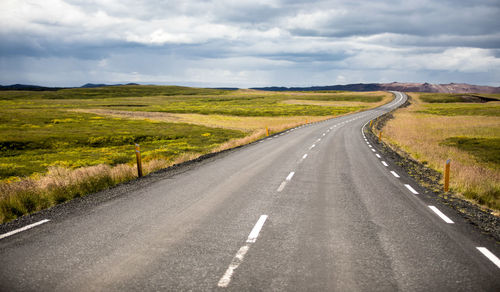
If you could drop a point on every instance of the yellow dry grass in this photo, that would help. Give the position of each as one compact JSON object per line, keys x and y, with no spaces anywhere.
{"x":247,"y":124}
{"x":386,"y":98}
{"x":420,"y":135}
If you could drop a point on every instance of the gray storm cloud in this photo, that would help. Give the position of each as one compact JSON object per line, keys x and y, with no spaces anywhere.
{"x":248,"y":43}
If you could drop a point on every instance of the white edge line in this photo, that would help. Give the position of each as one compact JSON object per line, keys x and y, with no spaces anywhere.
{"x":395,"y":174}
{"x":378,"y":155}
{"x":489,"y":255}
{"x":440,"y":214}
{"x":411,"y":189}
{"x":373,"y":150}
{"x":23,"y":228}
{"x":312,"y":146}
{"x":290,"y":175}
{"x":304,"y":156}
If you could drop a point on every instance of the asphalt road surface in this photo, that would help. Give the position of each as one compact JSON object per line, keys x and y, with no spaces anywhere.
{"x":313,"y":209}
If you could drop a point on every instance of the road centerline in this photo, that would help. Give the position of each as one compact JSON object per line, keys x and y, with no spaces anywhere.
{"x":240,"y":254}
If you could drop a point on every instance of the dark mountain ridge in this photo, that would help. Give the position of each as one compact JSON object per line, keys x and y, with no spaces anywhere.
{"x":28,"y":87}
{"x":396,"y":86}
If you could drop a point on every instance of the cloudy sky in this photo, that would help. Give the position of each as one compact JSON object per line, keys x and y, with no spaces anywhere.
{"x":247,"y":43}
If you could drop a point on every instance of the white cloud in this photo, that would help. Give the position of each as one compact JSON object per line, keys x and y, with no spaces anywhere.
{"x":248,"y":42}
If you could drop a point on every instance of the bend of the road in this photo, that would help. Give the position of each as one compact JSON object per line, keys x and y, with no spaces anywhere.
{"x":315,"y":208}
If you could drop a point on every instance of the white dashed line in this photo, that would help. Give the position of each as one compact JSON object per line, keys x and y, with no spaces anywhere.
{"x":370,"y":146}
{"x":312,"y":146}
{"x":318,"y":140}
{"x":23,"y":228}
{"x":324,"y":134}
{"x":395,"y":174}
{"x":281,"y":187}
{"x":252,"y":237}
{"x":373,"y":150}
{"x":440,"y":214}
{"x":240,"y":255}
{"x":489,"y":255}
{"x":378,"y":156}
{"x":411,"y":189}
{"x":290,"y":175}
{"x":385,"y":163}
{"x":304,"y":157}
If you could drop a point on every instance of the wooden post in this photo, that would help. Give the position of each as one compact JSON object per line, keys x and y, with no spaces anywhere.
{"x":267,"y":131}
{"x":447,"y":175}
{"x":139,"y":161}
{"x":379,"y":136}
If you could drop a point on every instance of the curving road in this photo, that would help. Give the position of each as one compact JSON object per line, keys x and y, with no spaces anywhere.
{"x":313,"y":209}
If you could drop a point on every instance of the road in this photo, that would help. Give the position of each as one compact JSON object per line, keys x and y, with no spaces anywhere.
{"x":313,"y":209}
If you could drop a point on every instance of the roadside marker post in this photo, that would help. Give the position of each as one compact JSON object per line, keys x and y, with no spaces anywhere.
{"x":371,"y":123}
{"x":379,"y":136}
{"x":139,"y":161}
{"x":267,"y":131}
{"x":447,"y":175}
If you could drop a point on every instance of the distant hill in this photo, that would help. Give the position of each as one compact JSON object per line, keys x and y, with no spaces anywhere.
{"x":397,"y":86}
{"x":28,"y":87}
{"x":93,"y":85}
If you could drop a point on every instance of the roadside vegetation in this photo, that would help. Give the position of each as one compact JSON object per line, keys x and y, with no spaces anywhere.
{"x":462,"y":127}
{"x":58,"y":145}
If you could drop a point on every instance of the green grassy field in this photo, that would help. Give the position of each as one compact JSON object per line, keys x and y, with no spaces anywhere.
{"x":33,"y":140}
{"x":53,"y":151}
{"x":112,"y":92}
{"x":484,"y":149}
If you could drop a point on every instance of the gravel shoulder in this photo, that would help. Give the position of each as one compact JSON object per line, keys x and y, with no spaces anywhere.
{"x":482,"y":218}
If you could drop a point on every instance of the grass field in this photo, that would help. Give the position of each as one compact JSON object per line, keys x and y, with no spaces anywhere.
{"x":63,"y":144}
{"x":437,"y":129}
